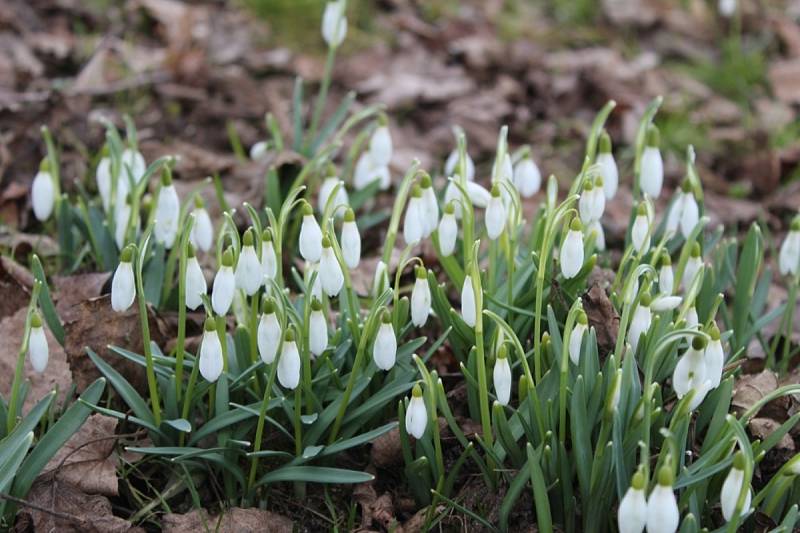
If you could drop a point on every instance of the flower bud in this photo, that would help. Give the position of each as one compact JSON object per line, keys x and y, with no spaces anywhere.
{"x":102,"y":176}
{"x":420,"y":298}
{"x":662,"y":507}
{"x":38,"y":351}
{"x":527,"y":178}
{"x":380,"y":146}
{"x":599,"y":235}
{"x":195,"y":281}
{"x":789,"y":255}
{"x":43,"y":192}
{"x":249,"y":275}
{"x":415,"y":221}
{"x":202,"y":235}
{"x":576,"y":337}
{"x":325,"y":191}
{"x":224,"y":285}
{"x":502,"y":376}
{"x":731,"y":488}
{"x":640,"y":323}
{"x":632,"y":513}
{"x":430,"y":206}
{"x":330,"y":271}
{"x":640,"y":231}
{"x":211,"y":362}
{"x":416,"y":414}
{"x":692,"y":268}
{"x":269,"y":259}
{"x":168,"y":209}
{"x":310,"y":240}
{"x":380,"y":282}
{"x":384,"y":349}
{"x":452,"y":162}
{"x":608,"y":167}
{"x":351,"y":240}
{"x":714,"y":357}
{"x":666,"y":278}
{"x":690,"y":373}
{"x":651,"y":175}
{"x":469,"y":311}
{"x":133,"y":162}
{"x":448,"y":231}
{"x":317,"y":329}
{"x":123,"y":286}
{"x":571,"y":255}
{"x":269,"y":332}
{"x":289,"y":362}
{"x":495,"y":214}
{"x":334,"y":23}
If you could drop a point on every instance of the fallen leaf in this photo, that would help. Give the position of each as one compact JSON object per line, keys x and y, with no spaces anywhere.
{"x":751,"y":388}
{"x":784,"y":77}
{"x":15,"y":285}
{"x":235,"y":520}
{"x":602,"y":317}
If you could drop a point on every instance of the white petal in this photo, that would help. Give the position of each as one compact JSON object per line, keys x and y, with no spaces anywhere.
{"x":632,"y":513}
{"x":675,"y":214}
{"x":310,"y":239}
{"x":380,"y":146}
{"x":789,"y":255}
{"x":134,"y":161}
{"x":527,"y":178}
{"x":689,"y":373}
{"x":665,"y":303}
{"x":692,"y":320}
{"x":690,"y":215}
{"x":420,"y":302}
{"x":652,"y":172}
{"x":38,"y":351}
{"x":210,"y":356}
{"x":727,"y":7}
{"x":478,"y":195}
{"x":380,"y":281}
{"x":640,"y":237}
{"x":640,"y":323}
{"x":222,"y":290}
{"x":317,"y":333}
{"x":202,"y":231}
{"x":571,"y":254}
{"x":495,"y":217}
{"x":662,"y":511}
{"x":195,"y":284}
{"x":330,"y":272}
{"x":608,"y":169}
{"x":121,"y":220}
{"x":258,"y":150}
{"x":600,"y":237}
{"x":269,"y":260}
{"x":666,"y":279}
{"x":103,"y":177}
{"x":729,"y":494}
{"x":325,"y":191}
{"x":351,"y":244}
{"x":502,"y":380}
{"x":715,"y":362}
{"x":168,"y":208}
{"x":289,"y":365}
{"x":43,"y":195}
{"x":269,"y":337}
{"x":598,"y":203}
{"x":123,"y":287}
{"x":413,"y":224}
{"x":690,"y":271}
{"x":416,"y":417}
{"x":468,"y":311}
{"x":452,"y":162}
{"x":575,"y":340}
{"x":431,"y":210}
{"x":364,"y":172}
{"x":249,"y":274}
{"x":384,"y":350}
{"x":585,"y":207}
{"x":334,"y":23}
{"x":448,"y":232}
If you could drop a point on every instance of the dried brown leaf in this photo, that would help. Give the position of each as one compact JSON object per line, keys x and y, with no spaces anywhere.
{"x":235,"y":520}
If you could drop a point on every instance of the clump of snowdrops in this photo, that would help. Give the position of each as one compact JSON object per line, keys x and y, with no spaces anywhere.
{"x":296,"y":367}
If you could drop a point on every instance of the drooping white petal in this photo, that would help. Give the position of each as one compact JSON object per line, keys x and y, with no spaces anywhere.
{"x":121,"y":219}
{"x":133,"y":160}
{"x":380,"y":281}
{"x":195,"y":284}
{"x":249,"y":275}
{"x":384,"y":349}
{"x":600,"y":236}
{"x":420,"y":302}
{"x":598,"y":205}
{"x":351,"y":244}
{"x":330,"y":272}
{"x":690,"y":214}
{"x":43,"y":195}
{"x":527,"y":178}
{"x":575,"y":340}
{"x":102,"y":176}
{"x":502,"y":380}
{"x":689,"y":373}
{"x":495,"y":217}
{"x":123,"y":287}
{"x":317,"y":332}
{"x":789,"y":255}
{"x":665,"y":303}
{"x":585,"y":206}
{"x":222,"y":290}
{"x":325,"y":191}
{"x":414,"y":222}
{"x":38,"y":351}
{"x":632,"y":513}
{"x":310,"y":239}
{"x":448,"y":233}
{"x":168,"y":208}
{"x":692,"y":320}
{"x":334,"y":24}
{"x":608,"y":169}
{"x":380,"y":146}
{"x":202,"y":235}
{"x":478,"y":195}
{"x":289,"y":365}
{"x":642,"y":317}
{"x":571,"y":254}
{"x":662,"y":511}
{"x":729,"y":494}
{"x":210,"y":356}
{"x":675,"y":214}
{"x":316,"y":286}
{"x":452,"y":162}
{"x":269,"y":261}
{"x":268,"y":336}
{"x":416,"y":417}
{"x":431,"y":210}
{"x":468,"y":311}
{"x":259,"y":150}
{"x":666,"y":279}
{"x":640,"y":234}
{"x":652,"y":171}
{"x":693,"y":266}
{"x":715,"y":362}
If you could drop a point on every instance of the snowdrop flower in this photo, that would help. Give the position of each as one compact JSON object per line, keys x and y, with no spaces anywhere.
{"x":665,"y":303}
{"x":477,"y":194}
{"x":43,"y":192}
{"x":224,"y":285}
{"x":268,"y":333}
{"x":211,"y":362}
{"x":505,"y":171}
{"x":599,"y":235}
{"x":102,"y":176}
{"x":123,"y":287}
{"x":640,"y":232}
{"x":351,"y":240}
{"x":662,"y":507}
{"x":430,"y":206}
{"x":38,"y":351}
{"x":632,"y":513}
{"x":380,"y":281}
{"x":727,"y":8}
{"x":259,"y":150}
{"x":202,"y":235}
{"x":576,"y":336}
{"x":416,"y":414}
{"x":495,"y":214}
{"x":269,"y":259}
{"x":289,"y":362}
{"x":420,"y":298}
{"x":651,"y":174}
{"x":334,"y":25}
{"x":684,"y":212}
{"x":133,"y":161}
{"x":789,"y":255}
{"x":384,"y":349}
{"x":608,"y":167}
{"x":527,"y":178}
{"x":168,"y":210}
{"x":586,"y":202}
{"x":452,"y":162}
{"x":690,"y":373}
{"x":196,"y":286}
{"x":448,"y":230}
{"x":640,"y":323}
{"x":249,"y":275}
{"x":367,"y":171}
{"x":317,"y":329}
{"x":693,"y":267}
{"x":380,"y":144}
{"x":692,"y":320}
{"x":714,"y":357}
{"x":415,"y":222}
{"x":469,"y":310}
{"x":122,"y":218}
{"x":326,"y":189}
{"x":502,"y":376}
{"x":731,"y":488}
{"x":571,"y":255}
{"x":310,"y":240}
{"x":598,"y":199}
{"x":666,"y":278}
{"x":330,"y":272}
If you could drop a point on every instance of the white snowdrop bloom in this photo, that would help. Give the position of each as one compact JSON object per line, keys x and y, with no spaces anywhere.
{"x":640,"y":323}
{"x":684,"y":213}
{"x":469,"y":311}
{"x":325,"y":191}
{"x":527,"y":178}
{"x":414,"y":223}
{"x":692,"y":268}
{"x":598,"y":206}
{"x":269,"y":259}
{"x":495,"y":214}
{"x":576,"y":337}
{"x":133,"y":161}
{"x":196,"y":286}
{"x":640,"y":231}
{"x":43,"y":192}
{"x":351,"y":240}
{"x":102,"y":176}
{"x":289,"y":362}
{"x":430,"y":205}
{"x":380,"y":281}
{"x":202,"y":235}
{"x":692,"y":320}
{"x":666,"y":277}
{"x":330,"y":271}
{"x":727,"y":8}
{"x":380,"y":146}
{"x":571,"y":254}
{"x":608,"y":167}
{"x":789,"y":255}
{"x":248,"y":275}
{"x":714,"y":357}
{"x":665,"y":303}
{"x":384,"y":349}
{"x":662,"y":507}
{"x":317,"y":329}
{"x":416,"y":414}
{"x":122,"y":217}
{"x":316,"y":286}
{"x":334,"y":24}
{"x":211,"y":362}
{"x":366,"y":171}
{"x":501,"y":375}
{"x":452,"y":162}
{"x":651,"y":174}
{"x":123,"y":286}
{"x":420,"y":298}
{"x":599,"y":235}
{"x":268,"y":333}
{"x":448,"y":231}
{"x":38,"y":351}
{"x":585,"y":202}
{"x":310,"y":240}
{"x":505,"y":172}
{"x":168,"y":210}
{"x":690,"y":371}
{"x":224,"y":285}
{"x":259,"y":150}
{"x":731,"y":488}
{"x":477,"y":194}
{"x":632,"y":512}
